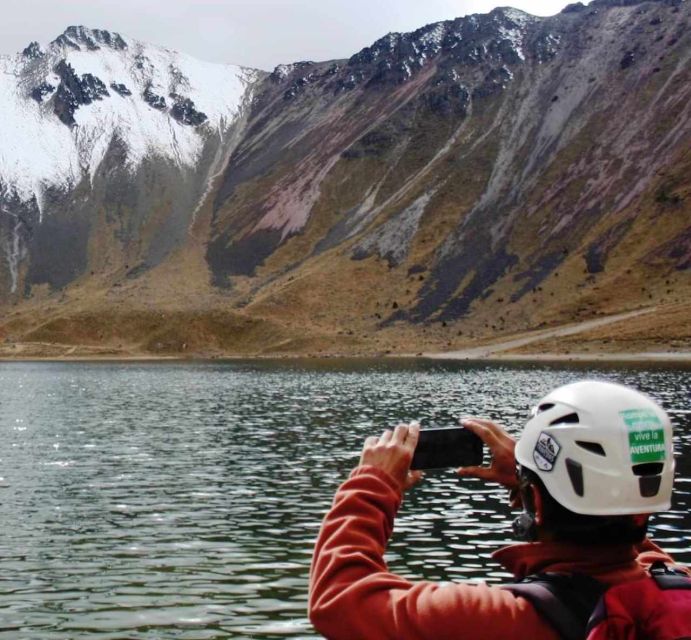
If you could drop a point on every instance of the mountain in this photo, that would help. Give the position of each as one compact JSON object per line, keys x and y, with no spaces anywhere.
{"x":99,"y":134}
{"x":475,"y":178}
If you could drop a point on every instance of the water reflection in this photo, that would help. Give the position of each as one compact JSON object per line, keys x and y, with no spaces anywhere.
{"x":169,"y":500}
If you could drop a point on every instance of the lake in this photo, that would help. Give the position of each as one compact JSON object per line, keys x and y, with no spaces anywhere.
{"x":178,"y":500}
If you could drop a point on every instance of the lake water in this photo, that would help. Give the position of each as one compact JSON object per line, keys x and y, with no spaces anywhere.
{"x":182,"y":500}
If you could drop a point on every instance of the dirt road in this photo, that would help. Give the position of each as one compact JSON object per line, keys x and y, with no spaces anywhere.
{"x":496,"y":349}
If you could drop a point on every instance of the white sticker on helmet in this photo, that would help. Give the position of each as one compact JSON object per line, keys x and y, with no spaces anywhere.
{"x":546,"y":452}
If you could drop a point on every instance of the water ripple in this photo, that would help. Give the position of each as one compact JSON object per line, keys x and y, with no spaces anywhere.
{"x":182,"y":501}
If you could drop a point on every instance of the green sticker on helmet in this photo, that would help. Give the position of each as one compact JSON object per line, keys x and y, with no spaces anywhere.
{"x":646,"y":435}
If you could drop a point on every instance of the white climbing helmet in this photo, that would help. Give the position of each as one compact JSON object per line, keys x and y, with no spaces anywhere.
{"x":601,"y":449}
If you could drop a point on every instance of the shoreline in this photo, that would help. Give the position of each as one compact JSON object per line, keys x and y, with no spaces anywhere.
{"x":554,"y":344}
{"x":471,"y":355}
{"x":644,"y":356}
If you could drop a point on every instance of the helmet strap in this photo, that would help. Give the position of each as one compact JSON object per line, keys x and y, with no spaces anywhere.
{"x":525,"y":526}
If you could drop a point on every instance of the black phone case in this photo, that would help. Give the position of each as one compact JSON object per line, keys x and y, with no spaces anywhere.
{"x":447,"y":447}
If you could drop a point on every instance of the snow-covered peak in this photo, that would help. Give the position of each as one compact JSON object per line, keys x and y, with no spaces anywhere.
{"x":64,"y":104}
{"x":33,"y":50}
{"x":79,"y":37}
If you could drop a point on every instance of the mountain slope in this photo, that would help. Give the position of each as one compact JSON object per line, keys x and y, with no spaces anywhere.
{"x":478,"y":177}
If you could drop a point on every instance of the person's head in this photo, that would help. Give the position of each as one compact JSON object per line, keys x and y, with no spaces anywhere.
{"x":594,"y":460}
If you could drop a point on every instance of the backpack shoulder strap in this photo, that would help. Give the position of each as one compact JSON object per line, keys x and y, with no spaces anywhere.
{"x":564,"y":601}
{"x":667,"y":577}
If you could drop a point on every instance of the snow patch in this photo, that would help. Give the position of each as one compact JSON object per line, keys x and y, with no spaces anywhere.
{"x":15,"y":250}
{"x":515,"y":37}
{"x":391,"y":39}
{"x":37,"y":150}
{"x":282,"y":71}
{"x":521,"y":18}
{"x":434,"y":37}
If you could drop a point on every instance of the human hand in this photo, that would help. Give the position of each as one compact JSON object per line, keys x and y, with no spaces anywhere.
{"x":502,"y":468}
{"x":393,"y":453}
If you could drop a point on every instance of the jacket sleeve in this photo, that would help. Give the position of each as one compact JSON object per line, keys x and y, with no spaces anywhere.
{"x":354,"y":597}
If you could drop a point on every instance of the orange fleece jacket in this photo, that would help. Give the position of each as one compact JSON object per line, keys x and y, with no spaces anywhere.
{"x":352,"y":595}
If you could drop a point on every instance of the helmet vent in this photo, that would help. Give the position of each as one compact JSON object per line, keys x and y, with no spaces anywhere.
{"x":649,"y":485}
{"x":570,"y":418}
{"x":648,"y":469}
{"x":545,"y":407}
{"x":593,"y":447}
{"x":575,"y":470}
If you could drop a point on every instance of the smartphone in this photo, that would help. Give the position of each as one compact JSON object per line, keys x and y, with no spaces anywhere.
{"x":447,"y":447}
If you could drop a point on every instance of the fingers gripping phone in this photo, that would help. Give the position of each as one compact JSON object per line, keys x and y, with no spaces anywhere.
{"x":447,"y":447}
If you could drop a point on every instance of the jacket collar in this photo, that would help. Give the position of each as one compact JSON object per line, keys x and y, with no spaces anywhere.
{"x":612,"y":561}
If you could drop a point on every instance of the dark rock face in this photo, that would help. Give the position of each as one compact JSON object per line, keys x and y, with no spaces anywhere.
{"x":597,"y":253}
{"x":536,"y":274}
{"x":546,"y":47}
{"x":283,"y":71}
{"x":58,"y":244}
{"x":628,"y":60}
{"x":83,"y":36}
{"x":350,"y":81}
{"x":495,"y":81}
{"x":185,"y":112}
{"x":120,"y":89}
{"x":449,"y":95}
{"x":75,"y":91}
{"x":679,"y":249}
{"x":60,"y":249}
{"x":76,"y":37}
{"x":113,"y":40}
{"x":33,"y":51}
{"x":624,"y":3}
{"x":298,"y":76}
{"x":298,"y":86}
{"x":373,"y":144}
{"x":396,"y":58}
{"x":64,"y":41}
{"x":247,"y":165}
{"x":154,"y":100}
{"x":15,"y":232}
{"x":44,"y":89}
{"x":575,"y":7}
{"x":241,"y":257}
{"x":393,"y":59}
{"x":438,"y":294}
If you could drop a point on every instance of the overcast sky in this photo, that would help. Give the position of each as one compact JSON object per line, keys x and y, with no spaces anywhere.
{"x":254,"y":33}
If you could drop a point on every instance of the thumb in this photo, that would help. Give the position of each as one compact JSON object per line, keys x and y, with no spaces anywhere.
{"x":413,"y":478}
{"x":484,"y":473}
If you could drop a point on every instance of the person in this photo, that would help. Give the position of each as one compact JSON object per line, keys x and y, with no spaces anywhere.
{"x":592,"y":463}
